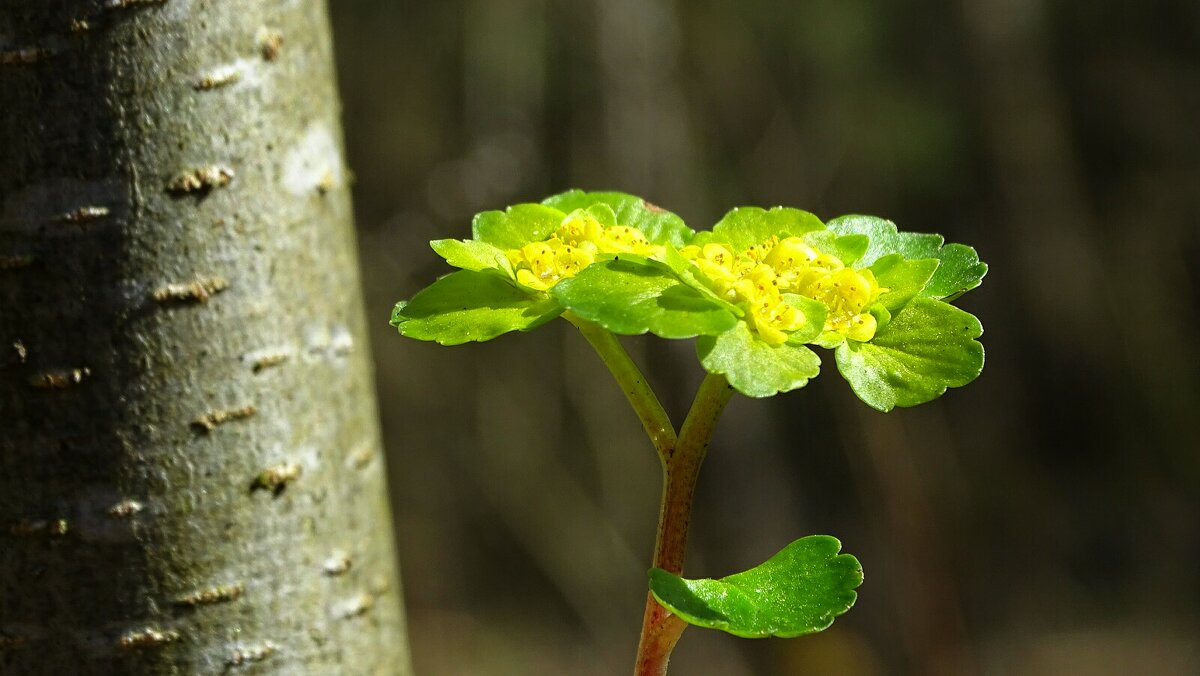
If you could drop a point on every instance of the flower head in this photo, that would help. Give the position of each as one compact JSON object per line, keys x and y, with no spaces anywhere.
{"x":575,"y":245}
{"x":757,"y":278}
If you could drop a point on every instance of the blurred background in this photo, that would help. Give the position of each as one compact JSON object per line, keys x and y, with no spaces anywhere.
{"x":1043,"y":520}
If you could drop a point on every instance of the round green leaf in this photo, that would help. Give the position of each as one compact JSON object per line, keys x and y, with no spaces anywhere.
{"x":467,"y":306}
{"x":926,"y":348}
{"x":960,"y":269}
{"x":755,"y":368}
{"x":798,"y":591}
{"x":630,"y":295}
{"x":744,"y":227}
{"x":659,"y":225}
{"x":516,"y":226}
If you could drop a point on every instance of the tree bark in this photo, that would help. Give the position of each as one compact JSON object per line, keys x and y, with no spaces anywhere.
{"x":190,"y":470}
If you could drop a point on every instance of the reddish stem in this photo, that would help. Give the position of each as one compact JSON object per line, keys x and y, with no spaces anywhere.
{"x":681,"y":467}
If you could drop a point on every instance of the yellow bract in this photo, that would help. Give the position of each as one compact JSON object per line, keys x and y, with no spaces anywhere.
{"x":573,"y":247}
{"x":757,"y":278}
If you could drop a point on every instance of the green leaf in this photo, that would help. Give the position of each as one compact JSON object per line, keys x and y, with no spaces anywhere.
{"x":903,"y":278}
{"x":692,"y":276}
{"x":659,"y":225}
{"x":631,"y":295}
{"x":703,"y":237}
{"x":960,"y":269}
{"x":744,"y":227}
{"x":469,"y":306}
{"x":829,"y":339}
{"x":926,"y":348}
{"x":755,"y":368}
{"x":848,"y":248}
{"x":815,"y":313}
{"x":472,"y":255}
{"x":603,"y":213}
{"x":516,"y":226}
{"x":798,"y":591}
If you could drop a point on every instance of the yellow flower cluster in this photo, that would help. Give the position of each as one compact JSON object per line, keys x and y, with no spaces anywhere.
{"x":573,"y":247}
{"x":757,"y":278}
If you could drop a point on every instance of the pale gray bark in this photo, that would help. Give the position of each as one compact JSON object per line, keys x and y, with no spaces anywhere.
{"x":190,"y":473}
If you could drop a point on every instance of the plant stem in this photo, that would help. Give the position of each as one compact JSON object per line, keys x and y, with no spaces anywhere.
{"x":681,"y":456}
{"x":654,"y":418}
{"x":681,"y":467}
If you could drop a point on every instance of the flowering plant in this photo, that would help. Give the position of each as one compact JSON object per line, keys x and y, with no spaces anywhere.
{"x":756,"y":291}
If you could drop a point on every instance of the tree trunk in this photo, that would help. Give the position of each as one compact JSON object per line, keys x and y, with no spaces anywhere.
{"x":190,"y":472}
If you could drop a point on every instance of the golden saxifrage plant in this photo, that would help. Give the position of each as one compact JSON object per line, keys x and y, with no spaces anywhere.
{"x":756,"y":292}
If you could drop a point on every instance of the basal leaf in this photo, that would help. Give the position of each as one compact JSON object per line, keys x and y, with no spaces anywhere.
{"x":755,"y":368}
{"x":903,"y":278}
{"x":744,"y":227}
{"x":471,"y":254}
{"x":926,"y":348}
{"x":631,"y":295}
{"x":516,"y":226}
{"x":467,"y":306}
{"x":960,"y":269}
{"x":659,"y":225}
{"x":798,"y":591}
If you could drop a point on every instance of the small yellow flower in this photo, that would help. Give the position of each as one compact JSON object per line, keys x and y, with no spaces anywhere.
{"x":757,"y":278}
{"x":848,"y":294}
{"x":573,"y":247}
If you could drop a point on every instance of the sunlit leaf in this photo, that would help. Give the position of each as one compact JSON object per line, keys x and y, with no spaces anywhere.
{"x":471,"y":254}
{"x":755,"y":368}
{"x":468,"y":306}
{"x":960,"y":269}
{"x":630,"y":295}
{"x":745,"y":227}
{"x":926,"y":348}
{"x":516,"y":226}
{"x":798,"y":591}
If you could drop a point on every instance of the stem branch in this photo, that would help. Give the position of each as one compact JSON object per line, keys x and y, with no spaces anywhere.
{"x":681,"y":456}
{"x":654,"y":418}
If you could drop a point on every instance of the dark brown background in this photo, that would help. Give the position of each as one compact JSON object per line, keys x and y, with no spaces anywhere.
{"x":1043,"y":520}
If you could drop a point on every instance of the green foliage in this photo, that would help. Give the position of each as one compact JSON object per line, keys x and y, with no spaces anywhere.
{"x":745,"y":227}
{"x":928,"y":347}
{"x":754,"y":368}
{"x":960,"y":269}
{"x":471,"y":255}
{"x":516,"y":226}
{"x":848,"y":248}
{"x":904,"y":278}
{"x":798,"y":591}
{"x":631,"y":295}
{"x":467,"y":306}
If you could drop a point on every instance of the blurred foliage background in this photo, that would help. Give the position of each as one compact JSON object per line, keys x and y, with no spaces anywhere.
{"x":1043,"y":520}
